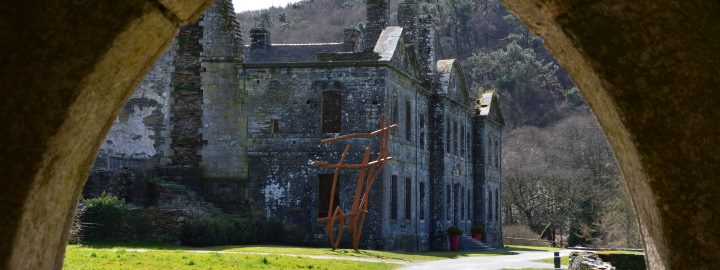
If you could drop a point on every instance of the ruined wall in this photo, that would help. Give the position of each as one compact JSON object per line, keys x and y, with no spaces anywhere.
{"x":284,"y":182}
{"x":284,"y":133}
{"x":223,"y":112}
{"x":139,"y":136}
{"x":187,"y":98}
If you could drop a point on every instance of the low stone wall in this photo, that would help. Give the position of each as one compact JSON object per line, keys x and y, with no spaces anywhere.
{"x":587,"y":261}
{"x":624,"y":261}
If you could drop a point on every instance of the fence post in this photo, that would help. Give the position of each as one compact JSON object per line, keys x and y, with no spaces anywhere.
{"x":557,"y":261}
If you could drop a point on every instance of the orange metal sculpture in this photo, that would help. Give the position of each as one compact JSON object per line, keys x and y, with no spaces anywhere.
{"x":368,"y":173}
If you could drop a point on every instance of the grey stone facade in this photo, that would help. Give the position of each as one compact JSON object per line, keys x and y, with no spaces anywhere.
{"x":245,"y":122}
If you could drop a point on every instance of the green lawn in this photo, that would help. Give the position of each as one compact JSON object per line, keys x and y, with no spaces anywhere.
{"x":564,"y":260}
{"x":288,"y":250}
{"x":139,"y":256}
{"x":530,"y":248}
{"x":88,"y":258}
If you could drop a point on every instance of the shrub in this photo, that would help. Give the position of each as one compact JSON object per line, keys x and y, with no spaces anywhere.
{"x":454,"y":230}
{"x":102,"y":217}
{"x":209,"y":227}
{"x":477,"y":229}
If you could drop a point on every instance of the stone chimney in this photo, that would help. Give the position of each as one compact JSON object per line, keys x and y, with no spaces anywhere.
{"x":408,"y":12}
{"x":354,"y":37}
{"x":377,"y":20}
{"x":427,"y":53}
{"x":259,"y":38}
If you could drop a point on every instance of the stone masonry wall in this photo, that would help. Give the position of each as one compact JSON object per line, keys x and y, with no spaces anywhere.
{"x":408,"y":15}
{"x":187,"y":98}
{"x":377,"y":20}
{"x":139,"y":137}
{"x":224,"y":130}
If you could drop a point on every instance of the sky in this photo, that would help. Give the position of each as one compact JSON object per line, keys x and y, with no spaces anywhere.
{"x":245,"y":5}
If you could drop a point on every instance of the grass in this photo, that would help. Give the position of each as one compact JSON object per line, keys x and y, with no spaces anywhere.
{"x":89,"y":258}
{"x":564,"y":260}
{"x":530,"y":248}
{"x":287,"y":250}
{"x":621,"y":252}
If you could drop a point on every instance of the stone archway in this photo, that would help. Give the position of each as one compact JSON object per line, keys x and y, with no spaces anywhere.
{"x":650,"y":71}
{"x":648,"y":68}
{"x":66,"y":69}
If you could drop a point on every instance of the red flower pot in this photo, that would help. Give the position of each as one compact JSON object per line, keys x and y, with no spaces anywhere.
{"x":454,"y":242}
{"x":477,"y":236}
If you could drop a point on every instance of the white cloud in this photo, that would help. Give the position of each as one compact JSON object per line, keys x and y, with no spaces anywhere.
{"x":245,"y":5}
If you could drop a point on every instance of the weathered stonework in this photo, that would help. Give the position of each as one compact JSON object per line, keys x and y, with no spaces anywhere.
{"x":248,"y":145}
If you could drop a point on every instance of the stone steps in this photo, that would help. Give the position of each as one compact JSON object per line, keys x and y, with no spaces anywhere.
{"x":468,"y":243}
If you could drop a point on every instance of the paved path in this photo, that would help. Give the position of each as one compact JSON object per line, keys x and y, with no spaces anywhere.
{"x":524,"y":259}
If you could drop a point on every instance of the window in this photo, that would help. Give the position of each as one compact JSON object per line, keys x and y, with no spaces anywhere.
{"x":497,"y":205}
{"x":325,"y":182}
{"x":462,"y":203}
{"x":331,"y":112}
{"x":394,"y":110}
{"x":463,"y":146}
{"x":408,"y":121}
{"x":488,"y":158}
{"x":422,"y":201}
{"x":497,"y":154}
{"x":447,"y":136}
{"x":489,"y":205}
{"x":408,"y":198}
{"x":394,"y":200}
{"x":469,"y":199}
{"x":448,"y":201}
{"x":455,"y":137}
{"x":274,"y":126}
{"x":422,"y":131}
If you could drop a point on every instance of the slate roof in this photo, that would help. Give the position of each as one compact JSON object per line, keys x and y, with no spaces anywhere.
{"x":293,"y":53}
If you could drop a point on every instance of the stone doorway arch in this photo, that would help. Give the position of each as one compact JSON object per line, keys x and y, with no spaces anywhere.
{"x":648,"y":69}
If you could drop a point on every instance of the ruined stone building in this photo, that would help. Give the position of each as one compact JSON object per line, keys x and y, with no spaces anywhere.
{"x":241,"y":125}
